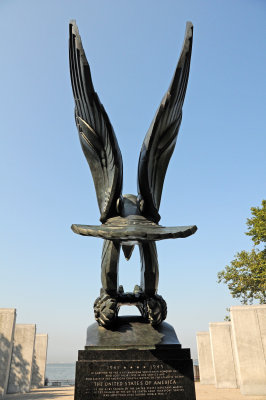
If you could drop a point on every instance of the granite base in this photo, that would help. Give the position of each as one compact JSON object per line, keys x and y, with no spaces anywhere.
{"x":140,"y":362}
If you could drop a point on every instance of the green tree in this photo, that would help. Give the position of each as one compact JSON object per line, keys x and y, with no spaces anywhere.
{"x":246,"y":274}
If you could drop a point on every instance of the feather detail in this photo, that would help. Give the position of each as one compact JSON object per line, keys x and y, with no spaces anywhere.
{"x":160,"y":140}
{"x":97,"y":137}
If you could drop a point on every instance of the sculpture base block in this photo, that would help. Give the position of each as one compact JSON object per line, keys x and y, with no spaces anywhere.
{"x":152,"y":365}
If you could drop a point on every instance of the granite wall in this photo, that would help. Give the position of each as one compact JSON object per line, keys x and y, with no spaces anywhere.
{"x":233,"y":354}
{"x":7,"y":328}
{"x":22,"y":358}
{"x":39,"y":361}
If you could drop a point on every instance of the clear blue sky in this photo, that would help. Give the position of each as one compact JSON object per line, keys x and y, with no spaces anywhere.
{"x":216,"y":174}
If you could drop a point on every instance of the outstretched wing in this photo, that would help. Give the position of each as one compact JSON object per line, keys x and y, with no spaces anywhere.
{"x":160,"y":140}
{"x":96,"y":133}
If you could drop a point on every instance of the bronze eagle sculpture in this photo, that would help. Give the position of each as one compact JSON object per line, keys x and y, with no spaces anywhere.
{"x":128,"y":220}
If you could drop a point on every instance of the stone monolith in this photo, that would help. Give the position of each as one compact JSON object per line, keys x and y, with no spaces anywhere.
{"x":222,"y":355}
{"x":249,"y":338}
{"x":7,"y":328}
{"x":205,"y":358}
{"x":39,"y":361}
{"x":22,"y":357}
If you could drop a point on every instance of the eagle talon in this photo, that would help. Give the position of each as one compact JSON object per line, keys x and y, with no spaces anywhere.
{"x":105,"y":310}
{"x":153,"y":309}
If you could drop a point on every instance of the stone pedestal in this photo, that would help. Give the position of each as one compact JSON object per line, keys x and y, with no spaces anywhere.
{"x":22,"y":356}
{"x":205,"y":358}
{"x":223,"y":356}
{"x":39,"y":361}
{"x":7,"y":328}
{"x":136,"y":361}
{"x":249,"y":338}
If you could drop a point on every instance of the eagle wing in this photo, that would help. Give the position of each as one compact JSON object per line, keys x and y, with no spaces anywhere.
{"x":97,"y":137}
{"x":160,"y":140}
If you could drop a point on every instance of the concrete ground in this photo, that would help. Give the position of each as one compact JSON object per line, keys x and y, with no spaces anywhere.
{"x":46,"y":393}
{"x":204,"y":392}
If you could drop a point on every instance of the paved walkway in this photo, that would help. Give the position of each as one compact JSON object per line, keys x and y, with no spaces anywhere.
{"x":204,"y":392}
{"x":47,"y":393}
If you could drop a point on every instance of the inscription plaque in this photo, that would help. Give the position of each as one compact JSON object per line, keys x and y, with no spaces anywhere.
{"x":120,"y":374}
{"x":134,"y":380}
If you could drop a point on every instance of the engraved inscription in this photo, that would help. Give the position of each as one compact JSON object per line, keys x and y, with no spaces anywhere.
{"x":133,"y":378}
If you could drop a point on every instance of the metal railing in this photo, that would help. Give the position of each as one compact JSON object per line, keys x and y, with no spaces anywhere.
{"x":196,"y":373}
{"x":62,"y":382}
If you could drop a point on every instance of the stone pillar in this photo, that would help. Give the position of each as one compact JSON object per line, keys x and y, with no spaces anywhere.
{"x":205,"y":358}
{"x":249,"y":338}
{"x":22,"y":356}
{"x":222,"y":355}
{"x":7,"y":328}
{"x":39,"y":361}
